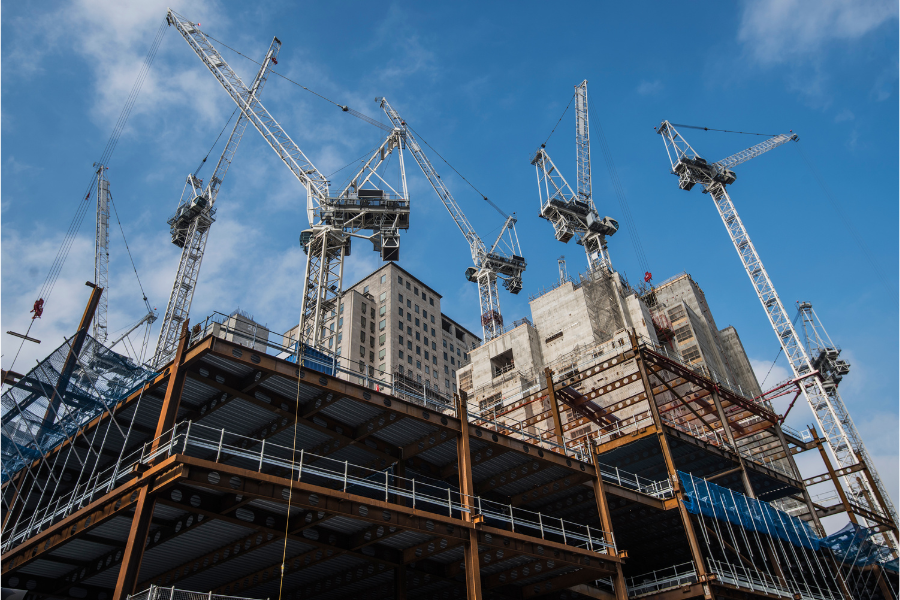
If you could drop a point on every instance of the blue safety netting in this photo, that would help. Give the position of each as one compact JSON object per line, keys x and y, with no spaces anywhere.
{"x":853,"y":546}
{"x":711,"y":500}
{"x":32,"y":425}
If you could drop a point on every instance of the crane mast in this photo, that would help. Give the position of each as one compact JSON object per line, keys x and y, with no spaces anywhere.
{"x":333,"y":220}
{"x":820,"y":391}
{"x":101,"y":254}
{"x":503,"y":260}
{"x":574,"y":214}
{"x":190,"y":226}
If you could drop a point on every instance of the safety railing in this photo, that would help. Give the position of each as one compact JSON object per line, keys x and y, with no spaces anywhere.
{"x":661,"y":579}
{"x":740,"y":576}
{"x":658,"y":489}
{"x":163,"y":593}
{"x":516,"y":431}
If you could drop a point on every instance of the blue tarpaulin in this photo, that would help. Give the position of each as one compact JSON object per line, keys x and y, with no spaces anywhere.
{"x":711,"y":500}
{"x":853,"y":545}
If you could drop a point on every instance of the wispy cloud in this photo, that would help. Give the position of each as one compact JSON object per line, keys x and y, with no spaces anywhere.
{"x":784,"y":31}
{"x":844,"y":115}
{"x":650,"y":88}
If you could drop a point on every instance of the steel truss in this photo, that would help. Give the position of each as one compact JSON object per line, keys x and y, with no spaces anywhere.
{"x":575,"y":215}
{"x":821,"y":392}
{"x":101,"y":255}
{"x":356,"y":209}
{"x":190,"y":226}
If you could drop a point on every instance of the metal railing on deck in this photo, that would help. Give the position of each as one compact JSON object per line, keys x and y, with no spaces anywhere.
{"x":163,"y":593}
{"x":740,"y":576}
{"x":661,"y":579}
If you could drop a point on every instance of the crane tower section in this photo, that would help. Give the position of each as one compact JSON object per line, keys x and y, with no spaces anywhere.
{"x":190,"y":225}
{"x":503,"y":261}
{"x":101,"y":255}
{"x":821,"y":392}
{"x":574,"y":214}
{"x":333,"y":220}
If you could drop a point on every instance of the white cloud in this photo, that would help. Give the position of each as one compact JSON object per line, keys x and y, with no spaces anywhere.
{"x":844,"y":115}
{"x":649,"y":88}
{"x":781,"y":31}
{"x":761,"y":370}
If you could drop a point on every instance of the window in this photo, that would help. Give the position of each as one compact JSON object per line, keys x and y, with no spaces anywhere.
{"x":382,"y":310}
{"x":451,"y":348}
{"x":363,"y":321}
{"x":400,"y":297}
{"x":366,"y":290}
{"x":409,"y":316}
{"x":341,"y":321}
{"x":676,"y":313}
{"x":362,"y":336}
{"x":400,"y":324}
{"x":446,"y":369}
{"x":419,"y":366}
{"x":419,"y":378}
{"x":447,"y":383}
{"x":409,"y":331}
{"x":371,"y":341}
{"x":417,"y":309}
{"x":399,"y":279}
{"x":382,"y":324}
{"x":417,"y":320}
{"x":372,"y":327}
{"x":445,"y":356}
{"x":690,"y":354}
{"x":382,"y":297}
{"x":434,"y":359}
{"x":363,"y":308}
{"x":433,"y":346}
{"x":452,"y":373}
{"x":381,"y":355}
{"x":330,"y":341}
{"x":383,"y":278}
{"x":381,"y":339}
{"x":684,"y":333}
{"x":431,"y":301}
{"x":409,"y":358}
{"x":408,"y":303}
{"x":362,"y":350}
{"x":381,"y":366}
{"x":432,"y":331}
{"x":362,"y":367}
{"x":432,"y":318}
{"x":446,"y":326}
{"x":424,"y":314}
{"x":409,"y":344}
{"x":418,"y":350}
{"x":426,"y":355}
{"x":401,"y":339}
{"x":427,"y":370}
{"x":457,"y":352}
{"x":371,"y":356}
{"x":401,"y":355}
{"x":416,"y":291}
{"x":417,"y":336}
{"x":407,"y":285}
{"x":452,"y":361}
{"x":445,"y":343}
{"x":341,"y":309}
{"x":338,"y":353}
{"x":340,"y":337}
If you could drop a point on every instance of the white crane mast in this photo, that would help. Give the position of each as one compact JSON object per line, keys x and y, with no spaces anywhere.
{"x":101,"y":255}
{"x":191,"y":223}
{"x":333,"y":220}
{"x":575,"y":215}
{"x":821,"y":391}
{"x":503,"y":260}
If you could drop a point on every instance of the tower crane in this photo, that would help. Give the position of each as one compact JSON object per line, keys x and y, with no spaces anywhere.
{"x":101,"y":254}
{"x":190,"y":225}
{"x":574,"y":214}
{"x":821,"y":391}
{"x":503,"y":260}
{"x":334,"y":220}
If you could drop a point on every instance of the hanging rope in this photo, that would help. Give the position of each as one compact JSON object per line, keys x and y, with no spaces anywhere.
{"x":723,"y":130}
{"x":202,"y":162}
{"x":131,"y":258}
{"x":559,"y":121}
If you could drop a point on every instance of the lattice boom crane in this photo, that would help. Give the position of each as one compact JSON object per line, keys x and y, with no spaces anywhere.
{"x":333,"y":220}
{"x":574,"y":214}
{"x":503,"y":260}
{"x":191,"y":223}
{"x":821,"y":391}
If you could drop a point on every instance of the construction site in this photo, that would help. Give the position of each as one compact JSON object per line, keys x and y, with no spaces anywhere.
{"x":613,"y":444}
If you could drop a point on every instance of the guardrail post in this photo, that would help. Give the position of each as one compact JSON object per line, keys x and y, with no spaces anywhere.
{"x":385,"y":486}
{"x":512,"y":520}
{"x":262,"y":450}
{"x":186,"y":434}
{"x":562,"y":526}
{"x":300,"y":470}
{"x":541,"y":524}
{"x":221,"y":439}
{"x":449,"y":505}
{"x":345,"y":475}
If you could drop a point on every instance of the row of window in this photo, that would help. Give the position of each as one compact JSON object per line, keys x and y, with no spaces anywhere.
{"x":415,"y":291}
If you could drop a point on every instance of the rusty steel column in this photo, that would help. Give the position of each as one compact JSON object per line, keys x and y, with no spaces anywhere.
{"x":880,"y":499}
{"x":133,"y":555}
{"x":621,"y":590}
{"x":169,"y":411}
{"x":726,"y":427}
{"x":833,"y":475}
{"x":554,"y":407}
{"x":400,"y":582}
{"x":806,"y":497}
{"x":467,"y":491}
{"x":673,"y":476}
{"x":134,"y":547}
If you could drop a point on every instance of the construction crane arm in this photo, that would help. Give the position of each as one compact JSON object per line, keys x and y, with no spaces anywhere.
{"x":250,"y":106}
{"x":476,"y":246}
{"x":234,"y":140}
{"x":754,"y":151}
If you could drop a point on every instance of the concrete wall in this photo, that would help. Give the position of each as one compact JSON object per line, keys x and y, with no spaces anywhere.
{"x":523,"y":346}
{"x":740,"y":364}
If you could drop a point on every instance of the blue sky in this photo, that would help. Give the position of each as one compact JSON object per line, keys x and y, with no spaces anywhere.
{"x":484,"y":83}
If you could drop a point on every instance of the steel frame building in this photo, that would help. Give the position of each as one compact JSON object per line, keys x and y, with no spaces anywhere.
{"x":373,"y":496}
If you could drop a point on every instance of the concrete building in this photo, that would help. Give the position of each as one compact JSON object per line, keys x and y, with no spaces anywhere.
{"x":240,"y":327}
{"x":391,"y":329}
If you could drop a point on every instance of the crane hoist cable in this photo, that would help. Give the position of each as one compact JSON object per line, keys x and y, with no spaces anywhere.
{"x":560,"y":120}
{"x":723,"y":130}
{"x":128,"y":249}
{"x":211,"y":148}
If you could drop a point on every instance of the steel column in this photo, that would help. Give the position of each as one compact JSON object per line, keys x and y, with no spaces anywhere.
{"x":467,"y":490}
{"x":554,"y":407}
